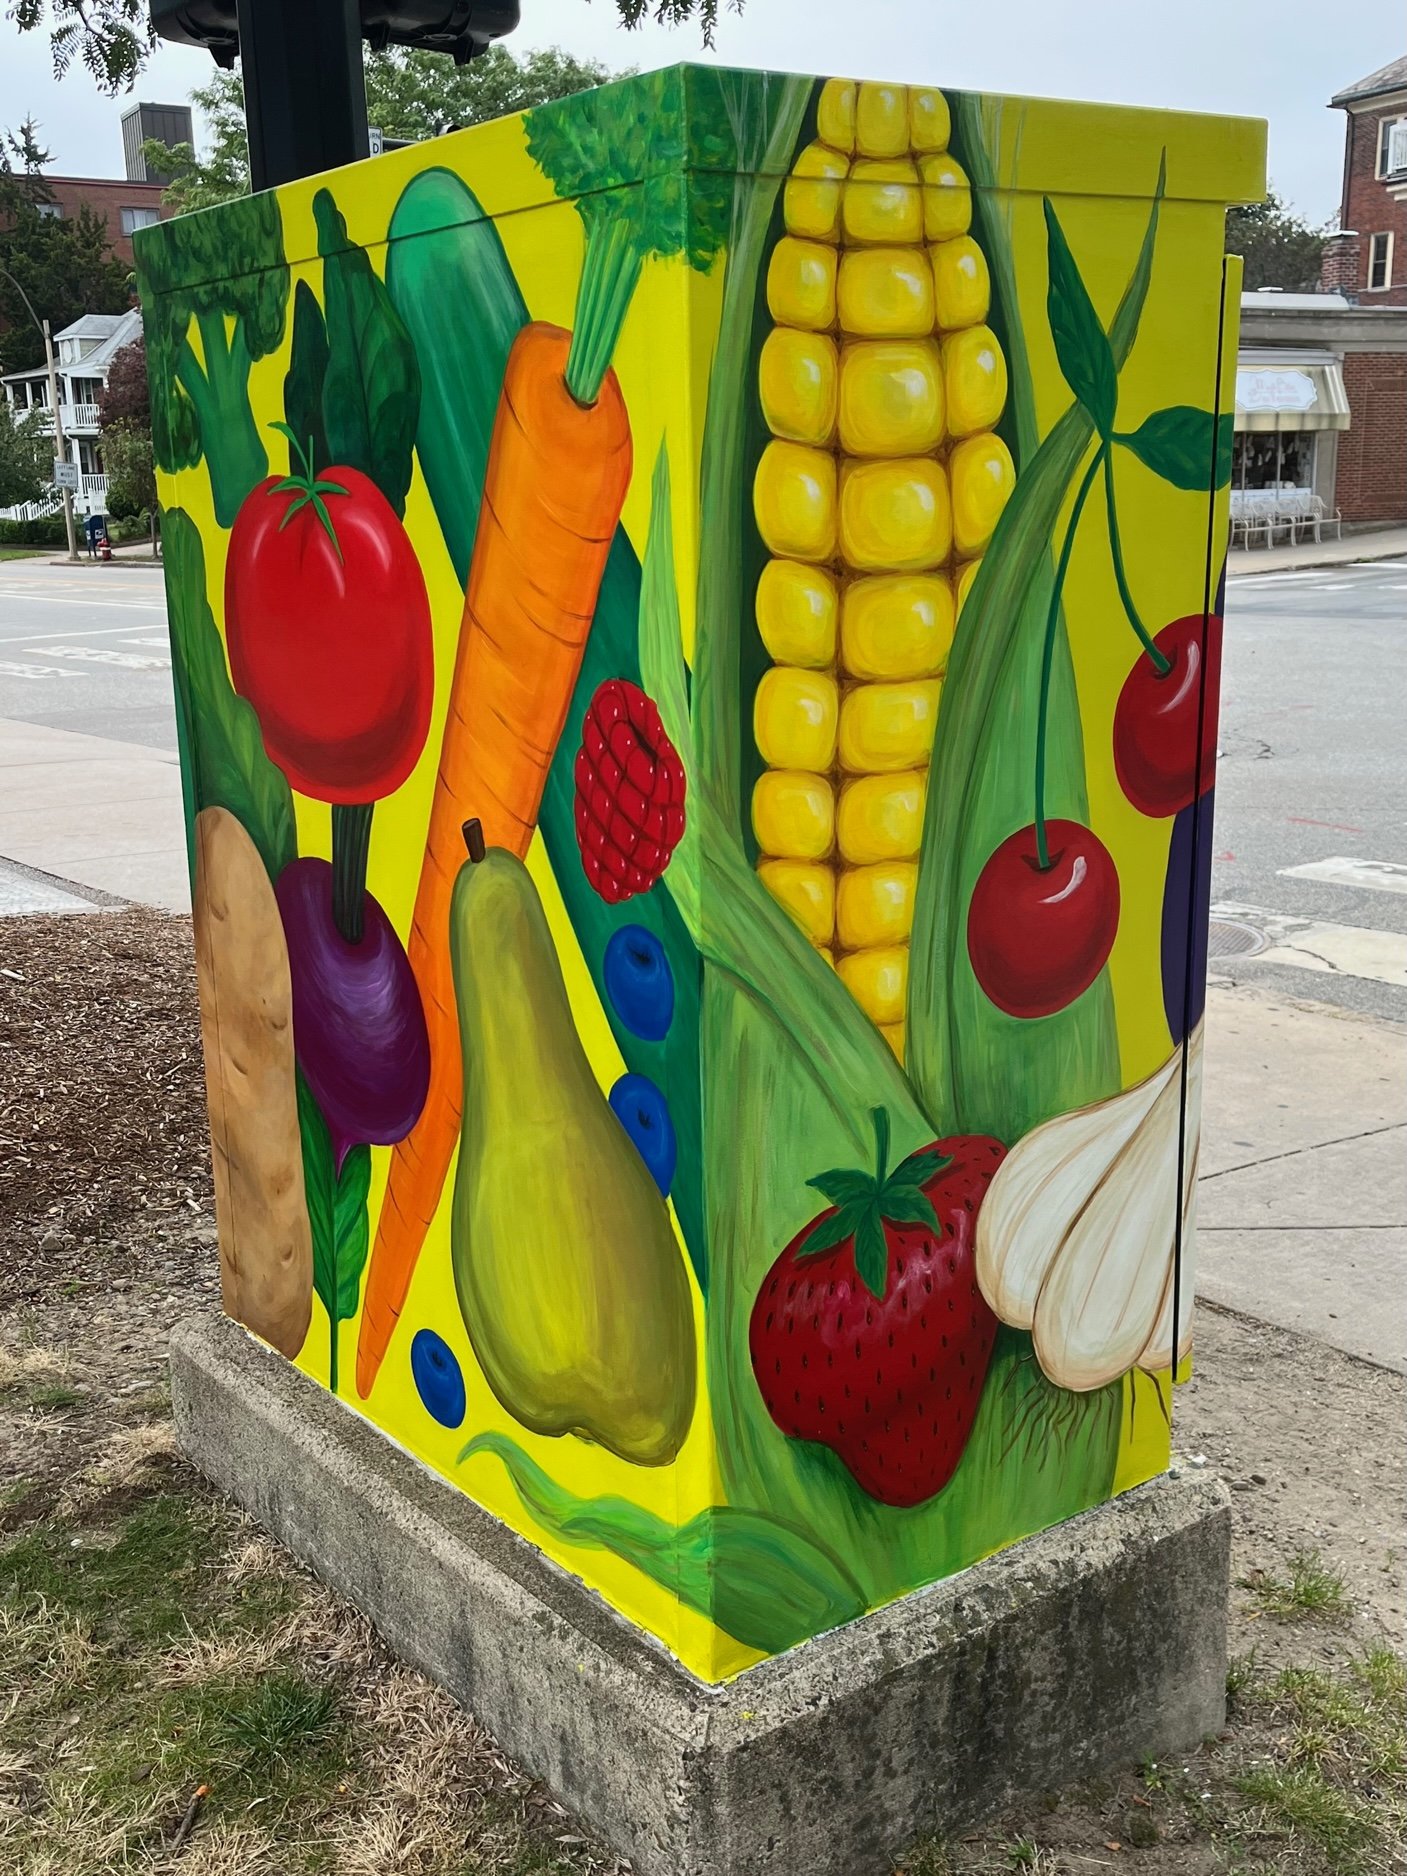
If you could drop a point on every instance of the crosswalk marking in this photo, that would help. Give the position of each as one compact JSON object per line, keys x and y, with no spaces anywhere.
{"x":8,"y":669}
{"x":1316,"y":945}
{"x":1377,"y":875}
{"x":103,"y":654}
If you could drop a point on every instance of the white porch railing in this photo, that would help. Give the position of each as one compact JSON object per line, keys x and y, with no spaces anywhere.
{"x":80,"y":417}
{"x":92,"y":495}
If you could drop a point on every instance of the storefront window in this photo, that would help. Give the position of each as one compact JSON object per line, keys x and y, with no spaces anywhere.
{"x":1274,"y":460}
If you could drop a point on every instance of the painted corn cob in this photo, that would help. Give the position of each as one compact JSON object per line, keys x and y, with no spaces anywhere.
{"x":881,"y":385}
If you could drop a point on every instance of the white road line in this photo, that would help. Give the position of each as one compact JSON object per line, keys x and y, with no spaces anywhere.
{"x":1377,"y":875}
{"x":115,"y":605}
{"x":32,"y":670}
{"x":82,"y":631}
{"x":104,"y":654}
{"x":1315,"y":945}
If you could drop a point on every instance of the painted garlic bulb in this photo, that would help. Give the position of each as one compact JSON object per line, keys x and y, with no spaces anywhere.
{"x":1076,"y":1236}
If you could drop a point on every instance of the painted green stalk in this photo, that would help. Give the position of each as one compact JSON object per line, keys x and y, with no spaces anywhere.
{"x":724,"y":487}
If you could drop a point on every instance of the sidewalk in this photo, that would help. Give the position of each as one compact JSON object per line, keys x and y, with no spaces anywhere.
{"x":94,"y":813}
{"x":1379,"y":544}
{"x":1302,"y":1198}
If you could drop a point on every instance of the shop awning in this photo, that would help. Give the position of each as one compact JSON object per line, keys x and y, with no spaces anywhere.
{"x":1291,"y":397}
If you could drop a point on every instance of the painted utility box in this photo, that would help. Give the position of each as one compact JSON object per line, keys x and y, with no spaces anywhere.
{"x":696,"y":627}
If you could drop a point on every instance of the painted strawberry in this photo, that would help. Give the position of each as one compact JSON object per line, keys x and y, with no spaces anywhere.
{"x":870,"y":1334}
{"x":629,"y":792}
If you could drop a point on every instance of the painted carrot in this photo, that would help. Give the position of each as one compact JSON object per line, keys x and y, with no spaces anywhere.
{"x":558,"y":468}
{"x":553,"y":489}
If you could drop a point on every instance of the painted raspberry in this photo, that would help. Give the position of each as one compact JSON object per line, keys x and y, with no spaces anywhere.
{"x":869,"y":1334}
{"x":629,"y":792}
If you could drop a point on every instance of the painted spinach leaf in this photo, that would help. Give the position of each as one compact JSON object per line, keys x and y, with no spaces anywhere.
{"x":228,"y":766}
{"x":303,"y":383}
{"x":371,"y":391}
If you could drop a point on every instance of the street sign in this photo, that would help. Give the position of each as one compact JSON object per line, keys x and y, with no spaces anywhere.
{"x":66,"y":475}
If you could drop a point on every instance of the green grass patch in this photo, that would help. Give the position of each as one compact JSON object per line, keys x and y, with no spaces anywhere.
{"x":1300,"y":1800}
{"x":54,"y":1395}
{"x":1311,"y":1590}
{"x":141,"y":1577}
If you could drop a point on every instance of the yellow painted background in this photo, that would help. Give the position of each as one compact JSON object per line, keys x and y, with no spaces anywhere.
{"x":1084,"y":155}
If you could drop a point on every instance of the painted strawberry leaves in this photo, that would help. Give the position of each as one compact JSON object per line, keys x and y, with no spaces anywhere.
{"x":865,"y":1200}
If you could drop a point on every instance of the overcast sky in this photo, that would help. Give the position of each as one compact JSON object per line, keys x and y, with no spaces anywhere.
{"x":1279,"y":61}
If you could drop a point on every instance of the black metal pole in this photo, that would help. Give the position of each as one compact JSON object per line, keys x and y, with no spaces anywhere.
{"x":304,"y":90}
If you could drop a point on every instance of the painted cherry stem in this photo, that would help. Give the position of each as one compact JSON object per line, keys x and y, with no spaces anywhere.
{"x":1062,"y":567}
{"x":1161,"y":663}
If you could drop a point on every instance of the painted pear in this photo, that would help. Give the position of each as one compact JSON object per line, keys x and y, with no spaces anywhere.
{"x":570,"y":1279}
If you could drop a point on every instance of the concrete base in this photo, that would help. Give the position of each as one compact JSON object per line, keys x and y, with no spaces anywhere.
{"x":1090,"y":1646}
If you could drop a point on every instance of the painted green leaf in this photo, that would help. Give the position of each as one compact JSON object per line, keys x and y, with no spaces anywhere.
{"x":1081,"y":344}
{"x":760,"y":1580}
{"x":872,"y":1252}
{"x":351,"y":1225}
{"x":303,"y":382}
{"x":663,"y":675}
{"x":371,"y":391}
{"x":337,"y":1217}
{"x":228,"y":766}
{"x":826,"y":1233}
{"x":1177,"y":445}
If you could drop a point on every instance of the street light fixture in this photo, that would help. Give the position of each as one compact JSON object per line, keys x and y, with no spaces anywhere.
{"x":304,"y":93}
{"x":43,"y":327}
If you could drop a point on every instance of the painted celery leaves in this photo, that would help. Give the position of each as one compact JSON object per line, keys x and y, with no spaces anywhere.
{"x":1186,"y":446}
{"x":227,"y":766}
{"x":371,"y":390}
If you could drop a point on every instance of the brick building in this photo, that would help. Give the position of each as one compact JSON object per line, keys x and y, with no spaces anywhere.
{"x":1322,"y":377}
{"x":124,"y":206}
{"x":1367,"y":260}
{"x":135,"y":200}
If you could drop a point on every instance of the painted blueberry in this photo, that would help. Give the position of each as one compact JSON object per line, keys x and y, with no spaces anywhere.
{"x":639,"y":982}
{"x":644,"y":1113}
{"x":438,"y":1380}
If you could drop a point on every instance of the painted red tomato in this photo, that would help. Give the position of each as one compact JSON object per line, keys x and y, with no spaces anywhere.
{"x":328,"y":628}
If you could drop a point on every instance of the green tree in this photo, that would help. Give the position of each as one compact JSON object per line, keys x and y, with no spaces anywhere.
{"x":1280,"y":249}
{"x":113,"y":38}
{"x":26,"y":452}
{"x":131,"y":475}
{"x":65,"y":265}
{"x":409,"y":94}
{"x":124,"y":415}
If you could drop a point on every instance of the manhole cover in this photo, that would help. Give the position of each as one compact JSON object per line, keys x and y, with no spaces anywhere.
{"x":1229,"y":938}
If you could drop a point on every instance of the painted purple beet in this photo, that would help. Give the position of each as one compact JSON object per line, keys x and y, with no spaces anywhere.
{"x":1187,"y":898}
{"x":358,"y":1026}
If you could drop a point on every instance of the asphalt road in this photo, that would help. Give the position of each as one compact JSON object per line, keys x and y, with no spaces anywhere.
{"x":1312,"y":774}
{"x":85,"y":649}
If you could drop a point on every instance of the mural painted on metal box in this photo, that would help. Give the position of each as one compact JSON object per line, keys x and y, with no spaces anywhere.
{"x":696,"y":646}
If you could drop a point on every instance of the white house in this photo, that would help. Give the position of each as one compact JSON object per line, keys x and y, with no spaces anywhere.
{"x":84,"y":353}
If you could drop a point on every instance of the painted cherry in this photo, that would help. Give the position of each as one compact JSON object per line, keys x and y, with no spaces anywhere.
{"x":1039,"y":936}
{"x":1155,"y":720}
